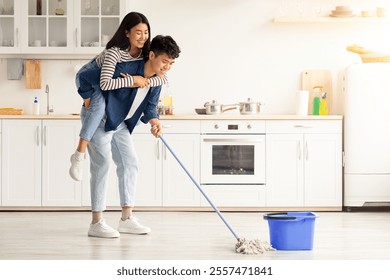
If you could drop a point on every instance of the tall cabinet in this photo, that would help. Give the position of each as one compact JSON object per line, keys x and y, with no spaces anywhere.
{"x":58,"y":26}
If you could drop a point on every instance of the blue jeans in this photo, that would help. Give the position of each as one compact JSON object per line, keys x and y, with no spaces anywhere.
{"x":96,"y":109}
{"x":120,"y":145}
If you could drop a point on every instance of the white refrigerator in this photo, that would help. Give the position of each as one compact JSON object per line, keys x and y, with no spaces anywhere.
{"x":366,"y":109}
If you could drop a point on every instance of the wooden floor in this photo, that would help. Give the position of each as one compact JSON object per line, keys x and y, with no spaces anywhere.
{"x":186,"y":236}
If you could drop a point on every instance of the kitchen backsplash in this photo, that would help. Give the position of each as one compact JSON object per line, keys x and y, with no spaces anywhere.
{"x":231,"y":50}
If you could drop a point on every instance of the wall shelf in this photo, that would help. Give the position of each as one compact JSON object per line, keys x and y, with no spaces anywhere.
{"x":330,"y":19}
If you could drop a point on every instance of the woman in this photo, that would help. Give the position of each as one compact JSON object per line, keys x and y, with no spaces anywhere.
{"x":130,"y":42}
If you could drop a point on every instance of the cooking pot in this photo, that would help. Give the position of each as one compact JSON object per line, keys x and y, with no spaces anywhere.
{"x":249,"y":107}
{"x":214,"y":108}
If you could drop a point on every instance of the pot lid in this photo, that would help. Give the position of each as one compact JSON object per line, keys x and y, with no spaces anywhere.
{"x":214,"y":103}
{"x":249,"y":101}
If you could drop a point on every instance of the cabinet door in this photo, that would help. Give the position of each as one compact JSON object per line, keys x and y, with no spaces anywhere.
{"x":284,"y":170}
{"x":21,"y":163}
{"x":0,"y":158}
{"x":47,"y":26}
{"x":149,"y":184}
{"x":323,"y":170}
{"x":59,"y":141}
{"x":178,"y":189}
{"x":95,"y":22}
{"x":10,"y":26}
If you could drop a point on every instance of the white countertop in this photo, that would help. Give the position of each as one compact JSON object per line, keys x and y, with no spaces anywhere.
{"x":191,"y":117}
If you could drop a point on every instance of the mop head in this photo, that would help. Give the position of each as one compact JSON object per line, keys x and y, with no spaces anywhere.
{"x":252,"y":247}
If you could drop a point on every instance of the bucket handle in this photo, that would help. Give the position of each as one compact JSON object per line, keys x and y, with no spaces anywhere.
{"x":279,"y":216}
{"x":283,"y":216}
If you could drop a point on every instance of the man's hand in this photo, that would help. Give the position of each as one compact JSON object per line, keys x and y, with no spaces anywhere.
{"x":86,"y":103}
{"x":156,"y":128}
{"x":139,"y":81}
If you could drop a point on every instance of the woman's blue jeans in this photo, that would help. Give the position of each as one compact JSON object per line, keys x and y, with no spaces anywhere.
{"x":96,"y":109}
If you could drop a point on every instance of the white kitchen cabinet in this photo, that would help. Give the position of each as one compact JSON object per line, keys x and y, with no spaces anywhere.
{"x":59,"y":140}
{"x":178,"y":189}
{"x":36,"y":163}
{"x":304,"y":163}
{"x":58,"y":26}
{"x":0,"y":159}
{"x":21,"y":163}
{"x":284,"y":170}
{"x":161,"y":180}
{"x":10,"y":20}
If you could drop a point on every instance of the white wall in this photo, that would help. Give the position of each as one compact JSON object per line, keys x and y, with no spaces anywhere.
{"x":231,"y":50}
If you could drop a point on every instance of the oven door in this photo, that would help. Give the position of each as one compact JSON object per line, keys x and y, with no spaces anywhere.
{"x":233,"y":159}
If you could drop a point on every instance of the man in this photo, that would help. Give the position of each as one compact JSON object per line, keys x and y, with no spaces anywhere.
{"x":124,"y":108}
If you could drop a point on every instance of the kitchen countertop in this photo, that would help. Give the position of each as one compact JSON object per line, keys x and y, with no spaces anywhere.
{"x":190,"y":117}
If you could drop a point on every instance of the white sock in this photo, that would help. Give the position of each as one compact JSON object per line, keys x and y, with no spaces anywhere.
{"x":79,"y":156}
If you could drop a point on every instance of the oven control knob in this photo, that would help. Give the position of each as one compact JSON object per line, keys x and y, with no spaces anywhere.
{"x":249,"y":126}
{"x":216,"y":126}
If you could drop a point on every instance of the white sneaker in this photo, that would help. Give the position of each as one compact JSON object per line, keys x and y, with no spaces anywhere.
{"x":101,"y":229}
{"x":76,"y":168}
{"x":131,"y":225}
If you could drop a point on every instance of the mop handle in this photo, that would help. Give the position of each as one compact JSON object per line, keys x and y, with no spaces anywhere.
{"x":200,"y":189}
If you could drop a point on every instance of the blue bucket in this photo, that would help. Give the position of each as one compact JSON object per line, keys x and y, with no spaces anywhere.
{"x":291,"y":230}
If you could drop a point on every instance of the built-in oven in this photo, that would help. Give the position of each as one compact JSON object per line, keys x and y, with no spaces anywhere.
{"x":233,"y":152}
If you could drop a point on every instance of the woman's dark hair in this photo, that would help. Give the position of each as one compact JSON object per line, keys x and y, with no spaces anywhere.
{"x":129,"y":21}
{"x":164,"y":44}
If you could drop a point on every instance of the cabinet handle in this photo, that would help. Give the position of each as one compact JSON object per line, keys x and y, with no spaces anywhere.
{"x":44,"y":135}
{"x":17,"y":38}
{"x":167,"y":126}
{"x":158,"y":149}
{"x":76,"y":33}
{"x":303,"y":126}
{"x":37,"y":135}
{"x":299,"y":150}
{"x":306,"y":151}
{"x":241,"y":140}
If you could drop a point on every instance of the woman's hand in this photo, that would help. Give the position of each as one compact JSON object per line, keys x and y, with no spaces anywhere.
{"x":156,"y":128}
{"x":139,"y":81}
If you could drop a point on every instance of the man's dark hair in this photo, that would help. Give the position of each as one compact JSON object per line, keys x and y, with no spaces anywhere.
{"x":165,"y":44}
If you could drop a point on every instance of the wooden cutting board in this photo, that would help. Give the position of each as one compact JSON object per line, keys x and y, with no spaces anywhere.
{"x":317,"y":77}
{"x":33,"y":74}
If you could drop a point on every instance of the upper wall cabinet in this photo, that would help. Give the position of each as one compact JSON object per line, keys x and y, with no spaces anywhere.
{"x":58,"y":26}
{"x":10,"y":26}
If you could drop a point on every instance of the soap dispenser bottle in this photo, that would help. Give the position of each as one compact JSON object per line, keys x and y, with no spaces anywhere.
{"x":324,"y":111}
{"x":36,"y":106}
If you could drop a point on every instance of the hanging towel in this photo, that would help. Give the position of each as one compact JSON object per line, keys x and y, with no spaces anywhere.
{"x":14,"y":68}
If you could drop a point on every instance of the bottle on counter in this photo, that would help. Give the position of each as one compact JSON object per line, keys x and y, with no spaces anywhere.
{"x":317,"y":100}
{"x":324,"y":111}
{"x":36,"y":106}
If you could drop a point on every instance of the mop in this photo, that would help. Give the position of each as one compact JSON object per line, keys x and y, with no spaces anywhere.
{"x":243,"y":246}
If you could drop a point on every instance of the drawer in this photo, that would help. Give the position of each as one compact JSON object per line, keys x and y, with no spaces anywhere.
{"x":173,"y":126}
{"x":304,"y":126}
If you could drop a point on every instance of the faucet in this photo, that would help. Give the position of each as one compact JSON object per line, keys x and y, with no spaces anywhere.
{"x":49,"y":110}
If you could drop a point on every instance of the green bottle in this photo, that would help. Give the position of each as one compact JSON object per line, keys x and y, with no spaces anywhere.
{"x":316,"y":105}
